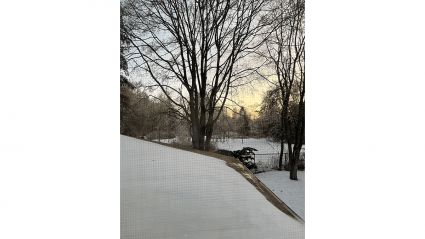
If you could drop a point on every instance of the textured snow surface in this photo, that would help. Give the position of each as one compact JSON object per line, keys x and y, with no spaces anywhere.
{"x":172,"y":193}
{"x":292,"y":192}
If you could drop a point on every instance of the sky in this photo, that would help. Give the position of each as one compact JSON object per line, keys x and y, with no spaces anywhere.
{"x":249,"y":96}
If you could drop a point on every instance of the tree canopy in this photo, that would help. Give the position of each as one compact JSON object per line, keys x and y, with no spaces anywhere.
{"x":190,"y":51}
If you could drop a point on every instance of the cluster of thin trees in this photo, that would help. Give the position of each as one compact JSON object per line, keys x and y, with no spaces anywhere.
{"x":144,"y":117}
{"x":195,"y":52}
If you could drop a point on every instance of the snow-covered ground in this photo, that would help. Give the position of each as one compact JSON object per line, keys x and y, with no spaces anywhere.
{"x":167,"y":141}
{"x":267,"y":156}
{"x":289,"y":191}
{"x":266,"y":149}
{"x":172,"y":193}
{"x":262,"y":145}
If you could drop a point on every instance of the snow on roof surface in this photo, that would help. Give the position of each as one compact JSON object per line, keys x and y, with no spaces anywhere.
{"x":172,"y":193}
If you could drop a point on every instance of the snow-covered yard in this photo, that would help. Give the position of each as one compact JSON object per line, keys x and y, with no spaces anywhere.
{"x":292,"y":192}
{"x":172,"y":193}
{"x":262,"y":145}
{"x":266,"y":149}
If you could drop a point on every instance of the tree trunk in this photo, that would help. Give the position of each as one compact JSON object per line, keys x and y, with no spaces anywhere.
{"x":281,"y":153}
{"x":209,"y":136}
{"x":195,"y":134}
{"x":202,"y":129}
{"x":201,"y":140}
{"x":194,"y":116}
{"x":299,"y":139}
{"x":282,"y":136}
{"x":294,"y":164}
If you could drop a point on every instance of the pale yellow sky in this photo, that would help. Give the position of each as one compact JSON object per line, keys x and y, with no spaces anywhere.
{"x":250,"y":98}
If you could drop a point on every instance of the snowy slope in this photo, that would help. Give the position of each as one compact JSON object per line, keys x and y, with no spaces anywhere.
{"x":171,"y":193}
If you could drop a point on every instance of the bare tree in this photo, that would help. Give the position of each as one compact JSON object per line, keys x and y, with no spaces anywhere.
{"x":191,"y":51}
{"x":285,"y":50}
{"x":243,"y":125}
{"x":269,"y":119}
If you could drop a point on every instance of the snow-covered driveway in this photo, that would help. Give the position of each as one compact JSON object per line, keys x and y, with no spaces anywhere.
{"x":172,"y":193}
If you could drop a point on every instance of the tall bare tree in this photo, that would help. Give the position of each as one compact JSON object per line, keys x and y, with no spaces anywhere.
{"x":191,"y":50}
{"x":285,"y":50}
